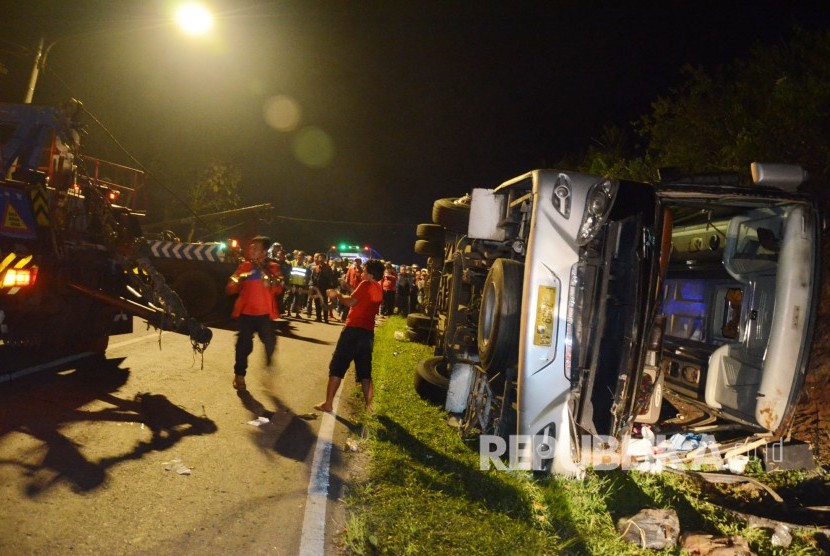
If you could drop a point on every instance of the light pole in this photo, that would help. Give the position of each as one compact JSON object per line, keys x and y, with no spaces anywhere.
{"x":30,"y":90}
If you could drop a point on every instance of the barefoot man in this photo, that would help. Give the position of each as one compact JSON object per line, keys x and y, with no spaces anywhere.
{"x":358,"y":337}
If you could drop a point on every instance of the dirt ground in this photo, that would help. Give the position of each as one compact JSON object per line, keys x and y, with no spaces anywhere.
{"x":812,"y":419}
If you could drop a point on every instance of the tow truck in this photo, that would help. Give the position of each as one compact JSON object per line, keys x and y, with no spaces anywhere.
{"x":74,"y":265}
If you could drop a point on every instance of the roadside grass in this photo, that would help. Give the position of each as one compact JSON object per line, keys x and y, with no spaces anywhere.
{"x":424,"y":491}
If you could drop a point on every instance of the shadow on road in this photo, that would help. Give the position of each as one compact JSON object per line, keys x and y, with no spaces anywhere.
{"x":282,"y":327}
{"x":289,"y":333}
{"x":288,"y":434}
{"x":53,"y":401}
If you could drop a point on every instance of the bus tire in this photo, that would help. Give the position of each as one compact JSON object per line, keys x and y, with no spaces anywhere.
{"x":499,"y":317}
{"x":430,"y":232}
{"x":432,"y":380}
{"x":452,"y":213}
{"x":429,"y":248}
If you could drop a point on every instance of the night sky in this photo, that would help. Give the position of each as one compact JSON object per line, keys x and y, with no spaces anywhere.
{"x":394,"y":103}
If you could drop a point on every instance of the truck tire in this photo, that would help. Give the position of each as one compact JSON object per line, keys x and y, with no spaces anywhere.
{"x":198,"y":291}
{"x":499,"y":317}
{"x":432,"y":380}
{"x":419,"y":336}
{"x":82,"y":326}
{"x":429,"y":248}
{"x":419,"y":321}
{"x":430,"y":232}
{"x":453,"y":213}
{"x":458,"y":295}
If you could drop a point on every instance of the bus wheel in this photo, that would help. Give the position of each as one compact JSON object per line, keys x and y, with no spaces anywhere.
{"x":499,"y":317}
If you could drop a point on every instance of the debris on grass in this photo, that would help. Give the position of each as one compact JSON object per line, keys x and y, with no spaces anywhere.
{"x":651,"y":528}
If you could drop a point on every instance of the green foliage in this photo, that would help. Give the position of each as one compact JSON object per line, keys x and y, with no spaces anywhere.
{"x":216,"y":188}
{"x":773,"y":107}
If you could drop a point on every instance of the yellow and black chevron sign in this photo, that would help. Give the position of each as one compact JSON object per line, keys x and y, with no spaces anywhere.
{"x":40,"y":205}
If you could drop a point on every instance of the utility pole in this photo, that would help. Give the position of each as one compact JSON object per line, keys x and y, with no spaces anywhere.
{"x":30,"y":92}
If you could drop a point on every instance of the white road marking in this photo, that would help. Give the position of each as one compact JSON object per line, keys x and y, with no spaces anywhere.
{"x":42,"y":367}
{"x":313,"y":539}
{"x":135,"y":340}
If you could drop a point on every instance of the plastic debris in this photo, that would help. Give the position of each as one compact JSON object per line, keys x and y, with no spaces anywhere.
{"x":399,"y":335}
{"x":685,"y":442}
{"x":177,"y":466}
{"x":737,"y":464}
{"x":781,"y":536}
{"x":351,"y":445}
{"x":259,"y":421}
{"x":651,"y":528}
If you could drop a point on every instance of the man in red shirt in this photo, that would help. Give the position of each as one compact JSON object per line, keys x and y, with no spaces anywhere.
{"x":257,"y":282}
{"x":389,"y":283}
{"x":358,"y":337}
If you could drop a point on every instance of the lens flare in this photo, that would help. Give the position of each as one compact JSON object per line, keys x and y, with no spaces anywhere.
{"x":314,"y":147}
{"x":282,"y":113}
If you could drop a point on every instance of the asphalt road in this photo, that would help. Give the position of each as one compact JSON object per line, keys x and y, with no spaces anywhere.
{"x":91,"y":449}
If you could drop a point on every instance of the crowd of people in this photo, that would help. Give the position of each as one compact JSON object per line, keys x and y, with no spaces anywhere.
{"x":307,"y":278}
{"x":272,"y":282}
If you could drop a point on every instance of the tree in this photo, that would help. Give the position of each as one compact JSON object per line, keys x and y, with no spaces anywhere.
{"x":216,"y":189}
{"x":774,"y":107}
{"x":614,"y":153}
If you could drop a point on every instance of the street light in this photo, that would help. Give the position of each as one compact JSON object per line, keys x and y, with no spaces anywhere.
{"x":193,"y":18}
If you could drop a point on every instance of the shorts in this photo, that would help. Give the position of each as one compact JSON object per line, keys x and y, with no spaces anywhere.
{"x":355,"y":344}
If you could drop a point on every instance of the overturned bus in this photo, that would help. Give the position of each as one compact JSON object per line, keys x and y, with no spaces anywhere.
{"x":579,"y":306}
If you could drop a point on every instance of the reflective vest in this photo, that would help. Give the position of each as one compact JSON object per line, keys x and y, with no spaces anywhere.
{"x":298,"y":276}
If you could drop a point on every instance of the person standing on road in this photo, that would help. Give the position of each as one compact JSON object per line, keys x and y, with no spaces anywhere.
{"x":278,"y":255}
{"x":257,"y":282}
{"x":358,"y":336}
{"x":349,"y":283}
{"x":322,"y":280}
{"x":403,"y":289}
{"x":413,"y":288}
{"x":389,"y":284}
{"x":300,"y":275}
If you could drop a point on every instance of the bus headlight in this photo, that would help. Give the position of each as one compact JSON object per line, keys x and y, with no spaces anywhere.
{"x":597,"y":208}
